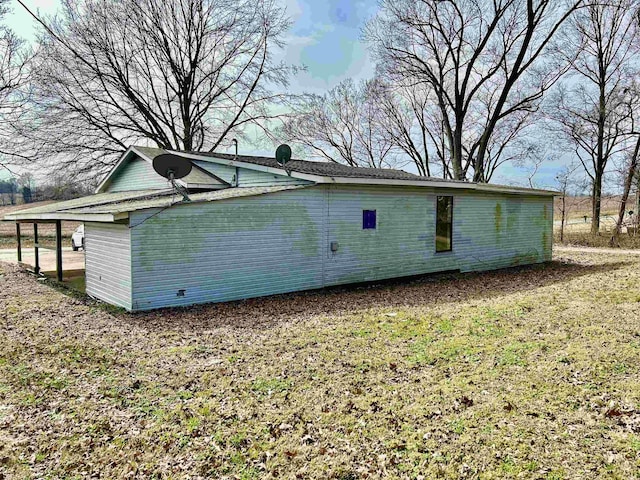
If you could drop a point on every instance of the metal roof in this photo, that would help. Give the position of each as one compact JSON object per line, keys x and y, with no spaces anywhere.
{"x":330,"y":169}
{"x":110,"y":207}
{"x":327,"y":169}
{"x":330,"y":172}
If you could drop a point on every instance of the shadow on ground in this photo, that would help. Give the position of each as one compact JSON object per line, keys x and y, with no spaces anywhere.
{"x":336,"y":301}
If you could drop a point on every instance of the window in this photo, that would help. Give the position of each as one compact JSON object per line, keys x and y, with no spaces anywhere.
{"x":368,"y":219}
{"x":444,"y":224}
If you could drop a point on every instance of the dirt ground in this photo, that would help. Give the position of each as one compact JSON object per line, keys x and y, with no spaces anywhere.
{"x":523,"y":373}
{"x":70,"y":260}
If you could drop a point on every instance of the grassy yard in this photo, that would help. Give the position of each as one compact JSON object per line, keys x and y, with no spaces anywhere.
{"x":524,"y":373}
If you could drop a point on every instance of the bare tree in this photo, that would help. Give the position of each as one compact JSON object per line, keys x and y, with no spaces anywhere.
{"x":564,"y":180}
{"x":184,"y":74}
{"x":14,"y":58}
{"x":410,"y":119}
{"x":594,"y":108}
{"x":631,"y":173}
{"x":486,"y":61}
{"x":343,"y":126}
{"x":631,"y":168}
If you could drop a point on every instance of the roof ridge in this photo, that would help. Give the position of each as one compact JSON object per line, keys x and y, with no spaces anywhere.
{"x":321,"y":162}
{"x":313,"y":167}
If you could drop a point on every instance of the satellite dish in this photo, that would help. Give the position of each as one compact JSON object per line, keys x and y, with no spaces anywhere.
{"x":283,"y":154}
{"x":172,"y":166}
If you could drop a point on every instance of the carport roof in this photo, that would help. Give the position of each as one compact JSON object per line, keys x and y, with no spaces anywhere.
{"x":111,"y":207}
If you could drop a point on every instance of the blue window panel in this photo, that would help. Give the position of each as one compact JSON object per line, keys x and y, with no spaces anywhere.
{"x":368,"y":219}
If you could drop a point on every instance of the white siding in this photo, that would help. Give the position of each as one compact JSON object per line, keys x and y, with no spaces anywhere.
{"x":246,"y":177}
{"x":281,"y":242}
{"x":108,"y":263}
{"x":228,"y":250}
{"x":136,"y":174}
{"x":489,"y":231}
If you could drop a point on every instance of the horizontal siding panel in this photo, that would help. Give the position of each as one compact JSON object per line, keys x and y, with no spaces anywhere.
{"x":247,"y":177}
{"x":108,"y":263}
{"x":277,"y":243}
{"x":490,"y":231}
{"x":137,"y":174}
{"x":223,"y":172}
{"x":228,"y":250}
{"x":254,"y":178}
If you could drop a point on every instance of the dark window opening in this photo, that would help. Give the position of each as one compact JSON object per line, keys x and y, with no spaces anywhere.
{"x":444,"y":224}
{"x":368,"y":219}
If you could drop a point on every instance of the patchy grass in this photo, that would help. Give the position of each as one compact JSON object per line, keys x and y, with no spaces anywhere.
{"x":46,"y":241}
{"x":76,"y":283}
{"x":524,"y":373}
{"x":585,"y":239}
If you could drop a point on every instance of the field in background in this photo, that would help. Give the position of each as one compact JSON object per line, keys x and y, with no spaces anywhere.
{"x":526,"y":373}
{"x":46,"y":232}
{"x":578,"y":231}
{"x":577,"y":207}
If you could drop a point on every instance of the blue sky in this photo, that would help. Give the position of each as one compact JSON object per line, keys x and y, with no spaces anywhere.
{"x":325,"y":37}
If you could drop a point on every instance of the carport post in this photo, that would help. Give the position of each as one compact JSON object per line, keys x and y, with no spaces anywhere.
{"x":59,"y":249}
{"x":35,"y":248}
{"x":19,"y":241}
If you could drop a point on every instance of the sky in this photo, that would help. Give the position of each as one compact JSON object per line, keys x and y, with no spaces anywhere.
{"x":325,"y":37}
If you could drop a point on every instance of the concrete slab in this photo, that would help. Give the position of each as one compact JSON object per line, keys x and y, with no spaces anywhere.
{"x":70,"y":260}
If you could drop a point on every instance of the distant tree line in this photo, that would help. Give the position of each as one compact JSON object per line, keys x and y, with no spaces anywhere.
{"x":23,"y":189}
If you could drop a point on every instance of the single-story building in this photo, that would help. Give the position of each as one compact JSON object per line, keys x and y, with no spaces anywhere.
{"x":255,"y":227}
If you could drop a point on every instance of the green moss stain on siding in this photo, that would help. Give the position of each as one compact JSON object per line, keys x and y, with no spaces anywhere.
{"x":230,"y":249}
{"x":227,"y":219}
{"x":497,"y":222}
{"x":276,"y":243}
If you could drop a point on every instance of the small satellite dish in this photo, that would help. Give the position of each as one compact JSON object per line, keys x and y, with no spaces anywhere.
{"x":171,"y":166}
{"x":283,"y":154}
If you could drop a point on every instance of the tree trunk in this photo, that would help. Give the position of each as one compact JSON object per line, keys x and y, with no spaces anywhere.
{"x":456,"y":161}
{"x":562,"y":219}
{"x":627,"y":189}
{"x":637,"y":212}
{"x":596,"y":197}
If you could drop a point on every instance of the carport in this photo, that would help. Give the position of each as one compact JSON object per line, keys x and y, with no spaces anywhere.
{"x":49,"y":254}
{"x":36,"y":246}
{"x":55,"y":214}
